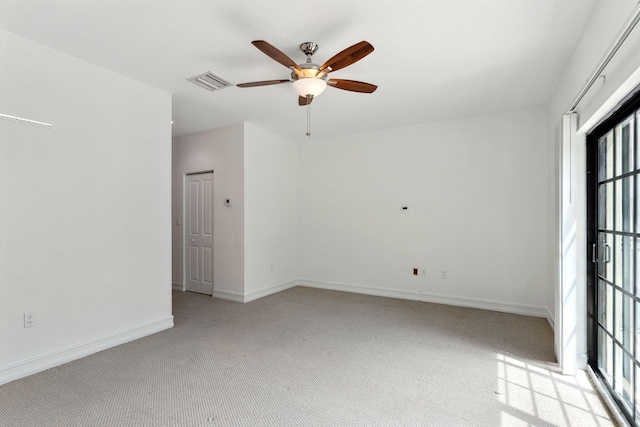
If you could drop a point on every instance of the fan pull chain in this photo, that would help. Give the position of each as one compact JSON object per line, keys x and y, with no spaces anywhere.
{"x":308,"y":120}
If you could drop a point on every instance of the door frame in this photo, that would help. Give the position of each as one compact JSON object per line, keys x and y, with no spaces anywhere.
{"x":184,"y":228}
{"x":631,"y":104}
{"x":625,"y":107}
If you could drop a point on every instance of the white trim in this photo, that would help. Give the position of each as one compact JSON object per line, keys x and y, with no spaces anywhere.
{"x":58,"y":357}
{"x":582,"y":361}
{"x":571,"y":247}
{"x":612,"y":102}
{"x":183,"y":234}
{"x":177,"y":286}
{"x":505,"y":307}
{"x":254,"y":295}
{"x":360,"y":289}
{"x":550,"y":319}
{"x":269,"y":290}
{"x":228,"y":295}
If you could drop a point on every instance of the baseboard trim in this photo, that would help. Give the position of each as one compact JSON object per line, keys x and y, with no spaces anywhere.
{"x":177,"y":287}
{"x":582,"y":361}
{"x":45,"y":361}
{"x":551,"y":319}
{"x":513,"y":308}
{"x":269,"y":290}
{"x":228,"y":295}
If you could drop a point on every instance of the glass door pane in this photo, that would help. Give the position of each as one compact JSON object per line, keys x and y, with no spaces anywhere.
{"x":605,"y":157}
{"x":624,"y":146}
{"x":605,"y":206}
{"x":624,"y":204}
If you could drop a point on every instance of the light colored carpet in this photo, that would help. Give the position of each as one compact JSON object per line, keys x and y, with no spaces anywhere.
{"x":308,"y":357}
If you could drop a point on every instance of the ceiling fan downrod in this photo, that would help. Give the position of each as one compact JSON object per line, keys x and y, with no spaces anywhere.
{"x":308,"y":119}
{"x":309,"y":48}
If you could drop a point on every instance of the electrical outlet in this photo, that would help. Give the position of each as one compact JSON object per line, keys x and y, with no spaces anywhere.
{"x":415,"y":271}
{"x":29,"y":320}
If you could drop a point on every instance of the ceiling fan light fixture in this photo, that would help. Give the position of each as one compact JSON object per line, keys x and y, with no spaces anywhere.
{"x":309,"y":86}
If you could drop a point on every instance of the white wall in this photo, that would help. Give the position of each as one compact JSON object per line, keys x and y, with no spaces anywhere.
{"x":604,"y":24}
{"x":475,"y":189}
{"x":84,"y":211}
{"x":271,"y":212}
{"x":621,"y":76}
{"x":220,"y":151}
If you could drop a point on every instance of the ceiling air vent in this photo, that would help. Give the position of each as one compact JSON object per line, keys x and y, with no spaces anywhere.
{"x":209,"y":81}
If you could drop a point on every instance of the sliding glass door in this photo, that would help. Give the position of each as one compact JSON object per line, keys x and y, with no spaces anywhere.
{"x":614,"y":256}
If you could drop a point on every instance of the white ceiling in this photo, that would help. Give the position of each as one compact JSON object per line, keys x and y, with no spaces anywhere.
{"x":433,"y":59}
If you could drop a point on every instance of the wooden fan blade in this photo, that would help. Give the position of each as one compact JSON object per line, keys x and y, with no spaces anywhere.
{"x":263,"y":83}
{"x":348,"y":56}
{"x":273,"y":53}
{"x":352,"y":85}
{"x":304,"y":100}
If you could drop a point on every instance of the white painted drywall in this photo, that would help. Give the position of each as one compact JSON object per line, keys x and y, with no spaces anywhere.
{"x":85,"y":208}
{"x":271,"y":211}
{"x":620,"y":77}
{"x":221,"y":151}
{"x":476,"y":193}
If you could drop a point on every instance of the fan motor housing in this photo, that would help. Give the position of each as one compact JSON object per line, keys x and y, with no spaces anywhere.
{"x":308,"y":70}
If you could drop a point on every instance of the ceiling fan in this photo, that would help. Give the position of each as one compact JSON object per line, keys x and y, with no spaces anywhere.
{"x":309,"y":79}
